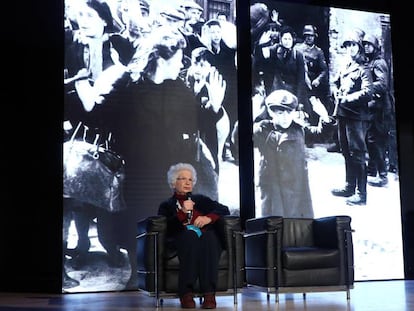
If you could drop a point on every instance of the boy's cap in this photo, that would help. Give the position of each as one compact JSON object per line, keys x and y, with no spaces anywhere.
{"x":281,"y":99}
{"x":191,"y":4}
{"x":173,"y":13}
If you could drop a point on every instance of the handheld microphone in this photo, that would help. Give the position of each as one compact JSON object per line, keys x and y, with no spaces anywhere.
{"x":190,"y":213}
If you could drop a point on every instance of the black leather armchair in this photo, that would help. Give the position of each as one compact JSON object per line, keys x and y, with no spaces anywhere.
{"x":158,"y":266}
{"x":299,"y":255}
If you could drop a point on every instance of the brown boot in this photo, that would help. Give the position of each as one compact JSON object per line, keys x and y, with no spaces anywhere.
{"x":209,"y":301}
{"x":187,"y":301}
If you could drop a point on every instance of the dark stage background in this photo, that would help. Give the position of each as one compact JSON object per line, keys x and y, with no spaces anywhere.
{"x":32,"y":33}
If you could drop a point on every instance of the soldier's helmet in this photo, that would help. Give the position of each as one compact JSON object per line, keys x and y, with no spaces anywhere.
{"x":352,"y":36}
{"x":310,"y":30}
{"x":371,"y":39}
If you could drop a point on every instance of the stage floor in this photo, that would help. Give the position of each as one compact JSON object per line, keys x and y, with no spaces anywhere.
{"x":394,"y":295}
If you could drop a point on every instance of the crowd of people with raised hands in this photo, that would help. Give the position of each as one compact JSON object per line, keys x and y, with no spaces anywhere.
{"x":130,"y":73}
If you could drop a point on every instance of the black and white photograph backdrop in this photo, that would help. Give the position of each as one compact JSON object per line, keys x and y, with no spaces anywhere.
{"x":152,"y":83}
{"x":147,"y":84}
{"x":302,"y":168}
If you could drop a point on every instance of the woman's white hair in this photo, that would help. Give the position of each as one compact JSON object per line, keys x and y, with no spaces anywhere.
{"x":175,"y":170}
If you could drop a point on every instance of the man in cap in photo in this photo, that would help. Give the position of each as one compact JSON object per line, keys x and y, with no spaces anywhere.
{"x":172,"y":16}
{"x":194,"y":16}
{"x":137,"y":24}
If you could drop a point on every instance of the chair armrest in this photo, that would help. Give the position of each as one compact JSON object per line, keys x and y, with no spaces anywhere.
{"x":150,"y":241}
{"x":149,"y":232}
{"x":268,"y":223}
{"x":329,"y":231}
{"x":262,"y":239}
{"x":231,"y":224}
{"x":336,"y":232}
{"x":234,"y":244}
{"x":152,"y":224}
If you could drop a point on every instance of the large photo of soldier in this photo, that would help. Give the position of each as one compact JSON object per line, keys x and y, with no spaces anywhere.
{"x":324,"y":129}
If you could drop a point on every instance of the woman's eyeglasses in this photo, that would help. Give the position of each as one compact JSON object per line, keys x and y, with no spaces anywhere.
{"x":184,"y":179}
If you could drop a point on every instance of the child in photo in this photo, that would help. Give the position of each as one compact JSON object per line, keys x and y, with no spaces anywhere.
{"x":283,"y":172}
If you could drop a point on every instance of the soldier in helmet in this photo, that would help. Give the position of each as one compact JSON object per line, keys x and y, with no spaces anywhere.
{"x":353,"y":89}
{"x":316,"y":75}
{"x":379,"y":112}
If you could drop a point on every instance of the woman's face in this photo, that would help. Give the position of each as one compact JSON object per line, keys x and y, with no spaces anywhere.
{"x":89,"y":22}
{"x":173,"y":66}
{"x":287,"y":40}
{"x":184,"y":182}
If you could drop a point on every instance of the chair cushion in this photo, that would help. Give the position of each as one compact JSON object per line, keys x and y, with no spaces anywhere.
{"x":300,"y":258}
{"x":310,"y":277}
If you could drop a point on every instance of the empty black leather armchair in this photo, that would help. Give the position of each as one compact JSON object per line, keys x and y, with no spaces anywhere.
{"x":158,"y":266}
{"x":299,"y":254}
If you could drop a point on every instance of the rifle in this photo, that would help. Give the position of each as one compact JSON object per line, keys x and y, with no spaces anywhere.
{"x":336,"y":96}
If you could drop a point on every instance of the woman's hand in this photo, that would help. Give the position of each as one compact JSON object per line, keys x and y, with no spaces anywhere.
{"x":216,"y":90}
{"x":265,"y":37}
{"x":201,"y":221}
{"x":188,"y":206}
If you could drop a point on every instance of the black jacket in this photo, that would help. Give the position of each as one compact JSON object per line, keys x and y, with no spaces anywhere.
{"x":203,"y":204}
